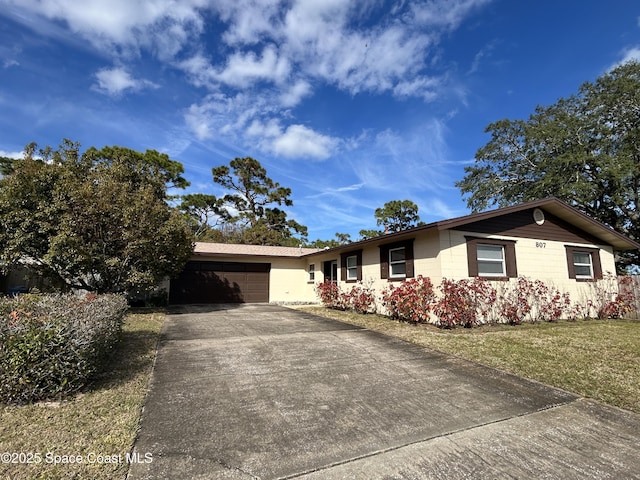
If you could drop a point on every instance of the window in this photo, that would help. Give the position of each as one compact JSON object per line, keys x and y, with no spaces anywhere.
{"x":491,"y":261}
{"x":583,"y":263}
{"x":312,"y":272}
{"x":351,"y":266}
{"x":396,"y":260}
{"x":490,"y":257}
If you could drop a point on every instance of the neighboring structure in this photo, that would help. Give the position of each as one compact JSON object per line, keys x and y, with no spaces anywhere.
{"x":545,"y":239}
{"x":21,"y":280}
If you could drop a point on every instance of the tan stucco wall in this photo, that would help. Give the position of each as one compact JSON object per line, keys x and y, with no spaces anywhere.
{"x":426,"y":263}
{"x":535,"y":259}
{"x":288,"y":282}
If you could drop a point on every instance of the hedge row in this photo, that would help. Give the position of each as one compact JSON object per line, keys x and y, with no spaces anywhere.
{"x":51,"y":345}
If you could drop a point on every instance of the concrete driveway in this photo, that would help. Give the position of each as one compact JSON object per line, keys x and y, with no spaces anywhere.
{"x":266,"y":392}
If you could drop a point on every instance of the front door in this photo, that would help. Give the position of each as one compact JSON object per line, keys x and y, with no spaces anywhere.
{"x":331,"y":271}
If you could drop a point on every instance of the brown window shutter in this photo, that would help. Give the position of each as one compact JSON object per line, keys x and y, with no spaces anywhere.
{"x":510,"y":260}
{"x":597,"y":266}
{"x":359,"y":261}
{"x":343,"y":266}
{"x":408,"y":256}
{"x":384,"y":262}
{"x":472,"y":257}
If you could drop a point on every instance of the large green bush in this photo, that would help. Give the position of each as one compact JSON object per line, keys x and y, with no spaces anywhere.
{"x":51,"y":345}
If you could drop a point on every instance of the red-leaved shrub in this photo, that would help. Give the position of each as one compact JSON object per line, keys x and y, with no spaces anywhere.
{"x":361,"y":298}
{"x":330,"y":295}
{"x":464,"y":302}
{"x":410,"y":301}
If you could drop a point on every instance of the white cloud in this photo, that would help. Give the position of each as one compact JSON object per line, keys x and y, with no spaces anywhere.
{"x":335,"y":192}
{"x":198,"y":118}
{"x":242,"y":70}
{"x":115,"y":81}
{"x":298,"y":141}
{"x":125,"y":25}
{"x":16,"y":155}
{"x":424,"y":87}
{"x":444,"y":13}
{"x":199,"y":70}
{"x":288,"y":48}
{"x":259,"y":59}
{"x":270,"y":129}
{"x":248,"y":20}
{"x":628,"y":55}
{"x":294,"y":95}
{"x":219,"y":114}
{"x":413,"y":162}
{"x":295,"y":141}
{"x":434,"y":207}
{"x":329,"y":40}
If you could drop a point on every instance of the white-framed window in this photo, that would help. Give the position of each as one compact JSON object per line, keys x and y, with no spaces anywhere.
{"x":312,"y":272}
{"x":491,"y":261}
{"x":352,"y":267}
{"x":583,"y":264}
{"x":397,"y":262}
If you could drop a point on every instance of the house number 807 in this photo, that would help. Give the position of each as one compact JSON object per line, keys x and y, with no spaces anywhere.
{"x":541,"y":244}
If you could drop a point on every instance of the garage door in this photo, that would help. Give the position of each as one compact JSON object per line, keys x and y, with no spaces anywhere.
{"x":221,"y":282}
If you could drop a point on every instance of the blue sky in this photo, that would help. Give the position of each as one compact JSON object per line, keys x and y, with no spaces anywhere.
{"x":349,"y":103}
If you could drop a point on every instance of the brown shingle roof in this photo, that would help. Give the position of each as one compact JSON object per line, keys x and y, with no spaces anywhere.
{"x":206,"y":248}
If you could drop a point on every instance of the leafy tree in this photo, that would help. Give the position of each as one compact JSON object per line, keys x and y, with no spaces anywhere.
{"x":204,"y":212}
{"x":98,"y":221}
{"x":584,"y":149}
{"x":147,"y":164}
{"x":397,"y":215}
{"x":365,"y":234}
{"x":6,"y":165}
{"x":249,"y":204}
{"x":341,"y":239}
{"x":394,"y":216}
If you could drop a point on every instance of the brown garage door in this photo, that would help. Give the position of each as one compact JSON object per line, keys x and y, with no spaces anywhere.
{"x":221,"y":282}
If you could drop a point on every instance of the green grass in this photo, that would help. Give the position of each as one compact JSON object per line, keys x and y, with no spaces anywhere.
{"x":599,"y":359}
{"x":102,"y":421}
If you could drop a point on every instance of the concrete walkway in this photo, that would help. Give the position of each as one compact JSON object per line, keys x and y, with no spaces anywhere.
{"x":266,"y":392}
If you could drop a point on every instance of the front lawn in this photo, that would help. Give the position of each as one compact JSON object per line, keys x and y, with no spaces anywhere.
{"x":599,"y":359}
{"x":98,"y":426}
